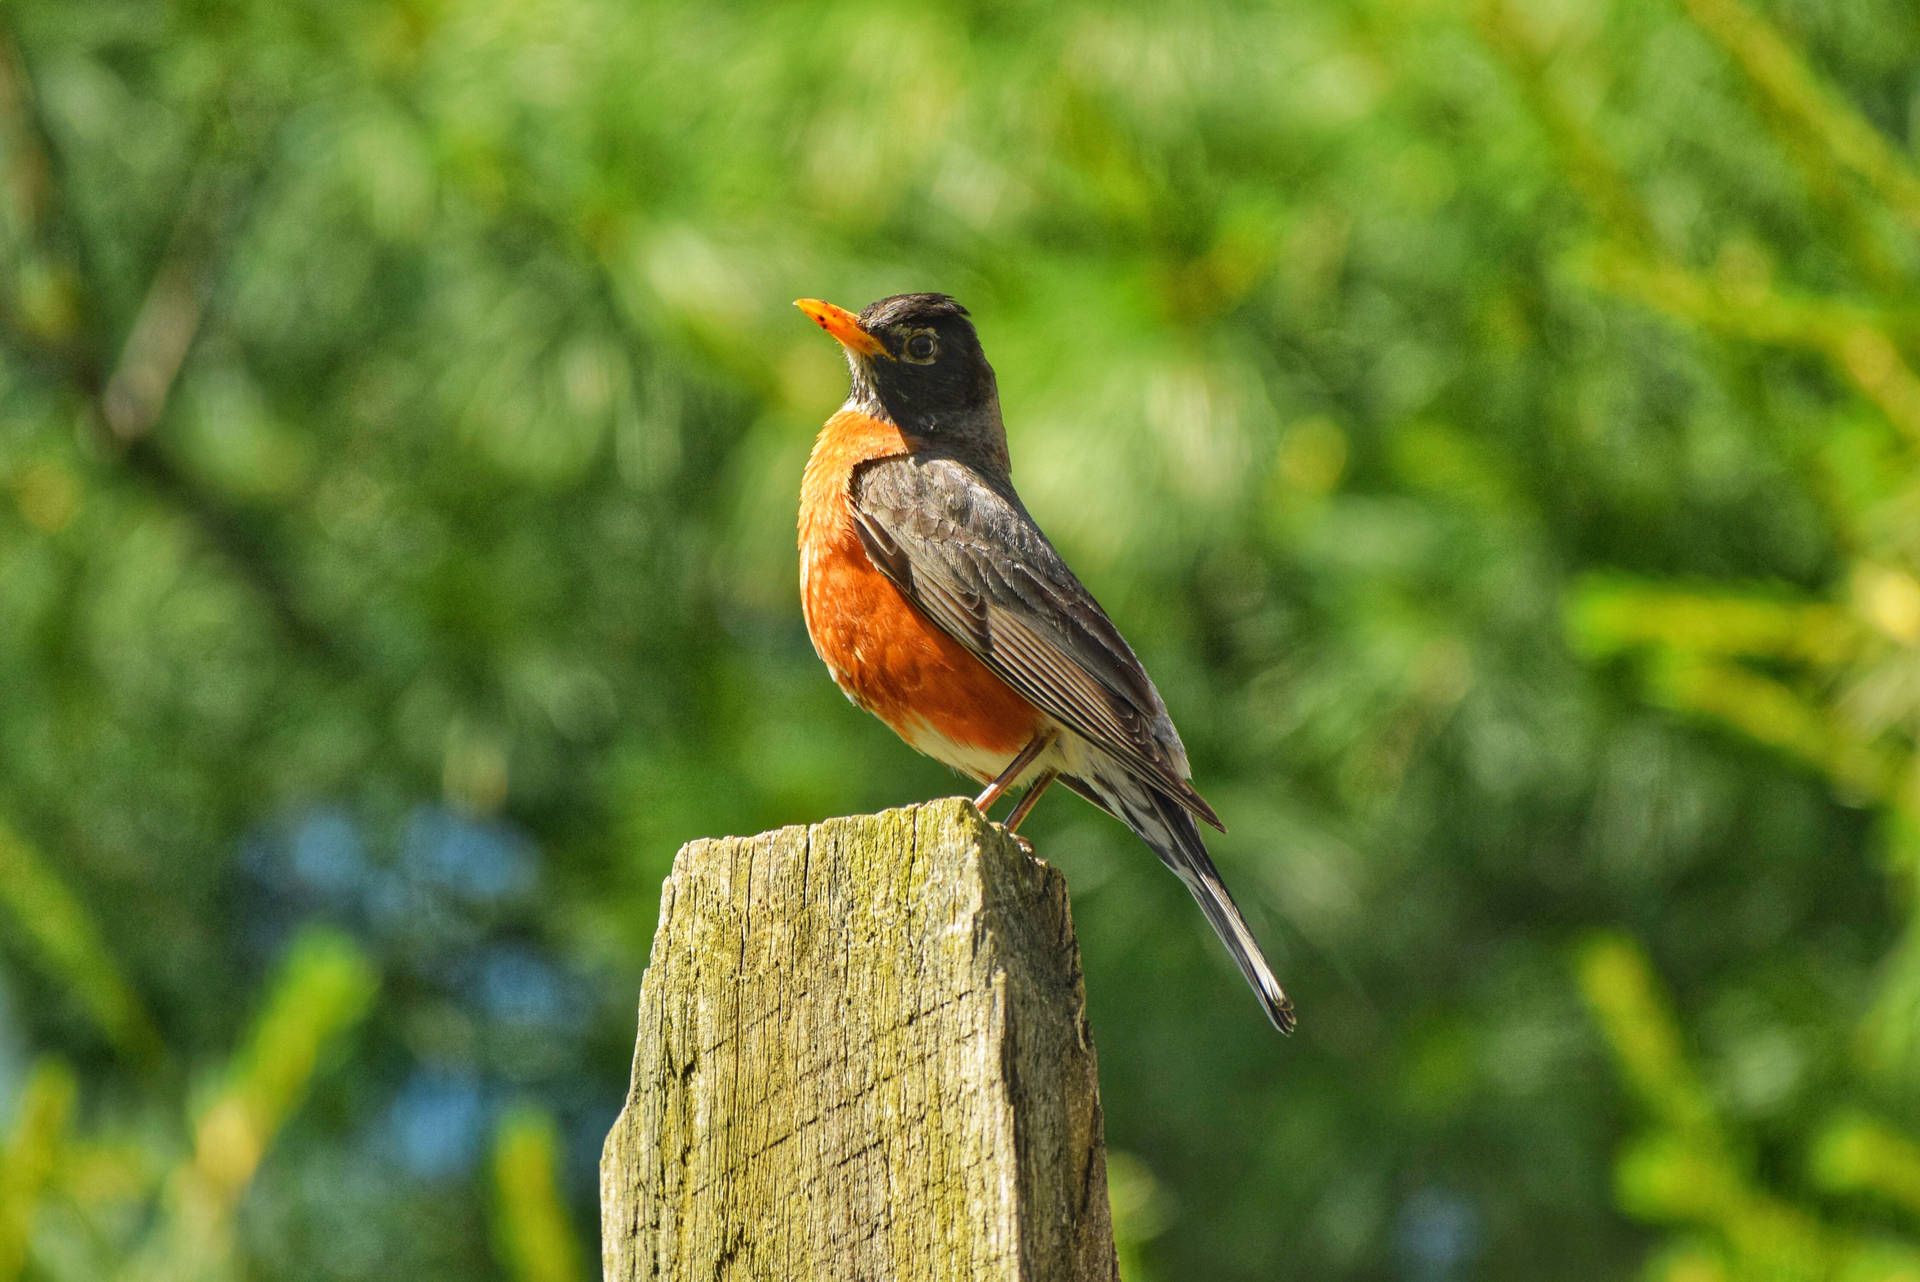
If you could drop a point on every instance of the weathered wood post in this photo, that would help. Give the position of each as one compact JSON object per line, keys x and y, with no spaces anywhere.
{"x":863,"y":1057}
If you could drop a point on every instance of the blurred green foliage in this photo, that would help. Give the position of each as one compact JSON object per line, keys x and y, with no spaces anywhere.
{"x":1496,"y":426}
{"x":535,"y":1239}
{"x":147,"y":1200}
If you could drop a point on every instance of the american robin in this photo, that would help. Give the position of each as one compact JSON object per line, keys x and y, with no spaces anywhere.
{"x":940,"y":607}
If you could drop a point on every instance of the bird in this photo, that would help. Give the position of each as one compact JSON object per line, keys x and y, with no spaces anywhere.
{"x":938,"y":605}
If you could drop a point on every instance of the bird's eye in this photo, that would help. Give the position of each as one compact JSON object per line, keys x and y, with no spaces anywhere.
{"x":921,"y":347}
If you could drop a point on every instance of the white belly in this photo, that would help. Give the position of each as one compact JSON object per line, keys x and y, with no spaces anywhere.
{"x":979,"y":763}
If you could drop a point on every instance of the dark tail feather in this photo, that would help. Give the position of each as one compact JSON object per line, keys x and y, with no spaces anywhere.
{"x":1174,"y":836}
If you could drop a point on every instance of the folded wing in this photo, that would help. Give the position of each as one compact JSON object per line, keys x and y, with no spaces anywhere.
{"x":962,"y":548}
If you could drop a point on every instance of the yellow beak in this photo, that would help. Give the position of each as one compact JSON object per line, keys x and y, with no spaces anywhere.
{"x":844,"y":326}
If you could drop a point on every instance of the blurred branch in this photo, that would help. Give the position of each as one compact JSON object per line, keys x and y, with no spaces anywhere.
{"x":70,"y":946}
{"x":1828,"y":179}
{"x":55,"y":252}
{"x":1685,"y":1171}
{"x":1662,"y":1178}
{"x":1852,"y":340}
{"x":1768,"y":712}
{"x":1858,"y":343}
{"x":27,"y":1161}
{"x":1696,"y":637}
{"x":27,"y":170}
{"x":1644,"y":1035}
{"x":162,"y":334}
{"x":1587,"y":161}
{"x":323,"y":990}
{"x":213,"y":207}
{"x":1858,"y":1154}
{"x":533,"y":1236}
{"x":1608,"y":615}
{"x":1790,"y":87}
{"x":127,"y":395}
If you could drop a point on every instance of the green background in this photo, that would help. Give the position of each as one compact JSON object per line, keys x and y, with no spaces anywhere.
{"x":1496,"y":426}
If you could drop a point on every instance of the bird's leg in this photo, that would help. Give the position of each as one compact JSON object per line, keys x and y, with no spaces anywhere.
{"x":1015,"y":768}
{"x":1034,"y":790}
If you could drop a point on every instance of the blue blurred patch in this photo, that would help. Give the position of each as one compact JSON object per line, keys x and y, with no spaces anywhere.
{"x":1437,"y":1235}
{"x":436,"y":1124}
{"x":482,"y":863}
{"x":329,"y":854}
{"x":515,"y":986}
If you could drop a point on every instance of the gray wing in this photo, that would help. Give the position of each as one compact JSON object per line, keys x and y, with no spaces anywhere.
{"x":962,"y":548}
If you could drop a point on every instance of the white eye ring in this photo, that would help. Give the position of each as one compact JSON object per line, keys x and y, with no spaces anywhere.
{"x":921,"y":347}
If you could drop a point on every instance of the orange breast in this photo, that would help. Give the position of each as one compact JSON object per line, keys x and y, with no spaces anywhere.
{"x":880,"y":649}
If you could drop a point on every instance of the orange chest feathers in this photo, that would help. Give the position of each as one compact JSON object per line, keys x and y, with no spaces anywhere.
{"x":880,"y":649}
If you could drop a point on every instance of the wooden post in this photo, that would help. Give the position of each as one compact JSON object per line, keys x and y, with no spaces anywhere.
{"x":863,"y":1057}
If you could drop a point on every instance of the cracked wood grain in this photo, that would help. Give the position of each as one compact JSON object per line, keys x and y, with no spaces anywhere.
{"x":863,"y":1056}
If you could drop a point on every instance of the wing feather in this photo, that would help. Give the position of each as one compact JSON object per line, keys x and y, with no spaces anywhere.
{"x":963,"y":549}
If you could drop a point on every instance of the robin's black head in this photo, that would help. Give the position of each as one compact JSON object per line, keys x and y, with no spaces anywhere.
{"x":916,"y":359}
